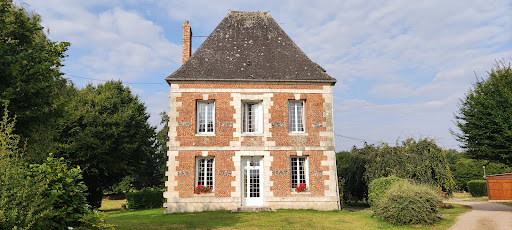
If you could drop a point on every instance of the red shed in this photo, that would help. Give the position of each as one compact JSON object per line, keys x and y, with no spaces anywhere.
{"x":499,"y":187}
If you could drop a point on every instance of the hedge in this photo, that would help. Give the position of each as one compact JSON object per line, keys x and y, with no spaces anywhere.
{"x":379,"y":187}
{"x":145,"y":199}
{"x":405,"y":203}
{"x":477,"y":188}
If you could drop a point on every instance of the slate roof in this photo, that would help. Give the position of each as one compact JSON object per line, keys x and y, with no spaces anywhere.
{"x":250,"y":46}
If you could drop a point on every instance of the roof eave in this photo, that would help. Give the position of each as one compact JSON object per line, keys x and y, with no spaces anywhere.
{"x":169,"y":79}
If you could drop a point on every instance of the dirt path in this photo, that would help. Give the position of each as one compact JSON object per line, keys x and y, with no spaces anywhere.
{"x":484,"y":215}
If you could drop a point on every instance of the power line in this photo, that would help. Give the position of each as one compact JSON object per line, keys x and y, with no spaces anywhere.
{"x":130,"y":83}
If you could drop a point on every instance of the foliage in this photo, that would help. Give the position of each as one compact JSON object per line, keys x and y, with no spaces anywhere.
{"x":95,"y":220}
{"x":379,"y":187}
{"x":30,"y":71}
{"x":340,"y":190}
{"x":485,"y":117}
{"x":106,"y":132}
{"x":145,"y":199}
{"x":22,"y":202}
{"x":470,"y":169}
{"x":477,"y":188}
{"x":422,"y":160}
{"x":405,"y":203}
{"x":64,"y":191}
{"x":351,"y":169}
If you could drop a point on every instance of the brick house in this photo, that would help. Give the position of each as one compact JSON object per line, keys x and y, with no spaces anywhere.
{"x":251,"y":117}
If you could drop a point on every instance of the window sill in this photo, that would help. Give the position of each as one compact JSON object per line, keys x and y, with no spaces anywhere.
{"x":210,"y":194}
{"x":205,"y":134}
{"x":252,"y":134}
{"x":301,"y":193}
{"x":298,"y":134}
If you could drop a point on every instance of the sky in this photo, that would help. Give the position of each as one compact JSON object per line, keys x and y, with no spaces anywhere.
{"x":402,"y":66}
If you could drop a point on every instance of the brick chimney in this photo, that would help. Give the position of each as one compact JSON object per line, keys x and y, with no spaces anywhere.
{"x":187,"y":42}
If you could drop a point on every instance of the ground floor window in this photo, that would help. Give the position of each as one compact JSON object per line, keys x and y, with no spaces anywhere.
{"x":205,"y":173}
{"x":299,"y":172}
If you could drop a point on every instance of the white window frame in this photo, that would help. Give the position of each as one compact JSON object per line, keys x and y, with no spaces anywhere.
{"x":204,"y":172}
{"x":258,"y":117}
{"x":206,"y":117}
{"x":295,"y":128}
{"x":296,"y":172}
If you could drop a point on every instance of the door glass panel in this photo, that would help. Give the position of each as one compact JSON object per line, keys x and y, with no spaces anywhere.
{"x":254,"y":183}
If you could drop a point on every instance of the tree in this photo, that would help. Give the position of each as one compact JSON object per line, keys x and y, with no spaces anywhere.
{"x":105,"y":132}
{"x":31,"y":81}
{"x":471,"y":169}
{"x":39,"y":196}
{"x":485,"y":117}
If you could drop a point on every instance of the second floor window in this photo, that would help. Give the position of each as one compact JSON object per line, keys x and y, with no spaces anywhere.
{"x":296,"y":116}
{"x":205,"y":116}
{"x":252,"y":117}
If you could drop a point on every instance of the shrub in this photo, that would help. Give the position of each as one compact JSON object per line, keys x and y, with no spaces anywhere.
{"x":145,"y":198}
{"x":477,"y":188}
{"x":22,"y":205}
{"x":63,"y":190}
{"x":379,"y":187}
{"x":405,"y":203}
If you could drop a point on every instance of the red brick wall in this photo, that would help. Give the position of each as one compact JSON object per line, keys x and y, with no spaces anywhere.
{"x":281,"y":167}
{"x":248,"y":86}
{"x":186,"y":132}
{"x":224,"y":172}
{"x":314,"y":110}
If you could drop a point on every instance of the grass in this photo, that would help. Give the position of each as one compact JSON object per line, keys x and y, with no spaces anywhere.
{"x":467,"y":197}
{"x":282,"y":219}
{"x":110,"y":206}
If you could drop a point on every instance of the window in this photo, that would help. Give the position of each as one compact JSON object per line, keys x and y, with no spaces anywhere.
{"x":204,"y":172}
{"x":205,"y":116}
{"x":252,"y":117}
{"x":296,"y":116}
{"x":299,"y":171}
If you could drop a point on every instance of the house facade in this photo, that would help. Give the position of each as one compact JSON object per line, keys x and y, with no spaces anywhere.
{"x":250,"y":122}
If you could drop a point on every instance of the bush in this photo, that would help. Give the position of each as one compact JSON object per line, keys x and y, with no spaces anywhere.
{"x":63,"y":190}
{"x":405,"y":203}
{"x":477,"y":188}
{"x":22,"y":205}
{"x":379,"y":187}
{"x":145,"y":199}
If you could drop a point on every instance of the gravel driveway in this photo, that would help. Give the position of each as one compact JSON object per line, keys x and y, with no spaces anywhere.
{"x":484,"y":215}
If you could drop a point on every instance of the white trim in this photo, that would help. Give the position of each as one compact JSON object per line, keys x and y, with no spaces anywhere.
{"x":295,"y":116}
{"x":258,"y":117}
{"x":196,"y":172}
{"x":206,"y":102}
{"x":306,"y":171}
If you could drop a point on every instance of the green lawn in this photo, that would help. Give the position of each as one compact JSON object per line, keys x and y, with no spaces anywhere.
{"x":282,"y":219}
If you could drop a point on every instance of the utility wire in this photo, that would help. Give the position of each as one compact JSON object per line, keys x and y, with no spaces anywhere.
{"x":130,"y":83}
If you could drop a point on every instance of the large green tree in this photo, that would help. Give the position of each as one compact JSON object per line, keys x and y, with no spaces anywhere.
{"x":485,"y":117}
{"x":30,"y":77}
{"x":106,"y":132}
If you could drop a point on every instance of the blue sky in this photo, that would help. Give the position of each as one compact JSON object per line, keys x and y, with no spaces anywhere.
{"x":401,"y":66}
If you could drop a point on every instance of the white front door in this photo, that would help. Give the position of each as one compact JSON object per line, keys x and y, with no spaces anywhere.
{"x":252,"y":183}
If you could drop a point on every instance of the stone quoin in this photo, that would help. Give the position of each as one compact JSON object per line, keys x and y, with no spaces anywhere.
{"x":250,"y":117}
